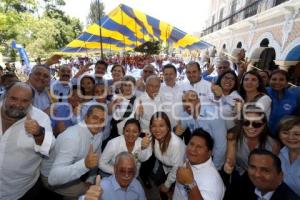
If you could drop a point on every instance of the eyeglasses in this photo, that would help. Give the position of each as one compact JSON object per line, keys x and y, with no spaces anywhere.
{"x":253,"y":124}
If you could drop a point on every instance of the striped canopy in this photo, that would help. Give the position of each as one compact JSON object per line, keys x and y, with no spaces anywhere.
{"x":125,"y":28}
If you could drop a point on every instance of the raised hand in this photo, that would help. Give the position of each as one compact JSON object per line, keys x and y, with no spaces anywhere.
{"x":185,"y":175}
{"x":217,"y":90}
{"x":179,"y":130}
{"x":95,"y":191}
{"x":146,"y":141}
{"x":91,"y":159}
{"x":31,"y":126}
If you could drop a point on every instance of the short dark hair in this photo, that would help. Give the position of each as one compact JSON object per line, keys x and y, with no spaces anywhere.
{"x":170,"y":66}
{"x":101,"y":62}
{"x":118,"y":65}
{"x":280,"y":71}
{"x":133,"y":121}
{"x":93,"y":107}
{"x":264,"y":152}
{"x":194,"y":63}
{"x":199,"y":132}
{"x":235,"y":87}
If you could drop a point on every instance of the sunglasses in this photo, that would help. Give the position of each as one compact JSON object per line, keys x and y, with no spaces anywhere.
{"x":253,"y":124}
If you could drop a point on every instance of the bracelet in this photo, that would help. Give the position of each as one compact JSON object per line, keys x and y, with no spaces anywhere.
{"x":41,"y":132}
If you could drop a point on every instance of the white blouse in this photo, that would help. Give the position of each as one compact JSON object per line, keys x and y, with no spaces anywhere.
{"x":172,"y":158}
{"x":118,"y":145}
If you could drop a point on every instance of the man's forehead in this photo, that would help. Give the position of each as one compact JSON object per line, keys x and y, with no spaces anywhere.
{"x":40,"y":69}
{"x":15,"y":91}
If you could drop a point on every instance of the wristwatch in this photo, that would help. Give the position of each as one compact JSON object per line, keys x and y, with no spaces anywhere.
{"x":189,"y":187}
{"x":41,"y":132}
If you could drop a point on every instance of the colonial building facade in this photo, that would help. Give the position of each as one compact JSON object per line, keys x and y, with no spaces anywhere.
{"x":246,"y":23}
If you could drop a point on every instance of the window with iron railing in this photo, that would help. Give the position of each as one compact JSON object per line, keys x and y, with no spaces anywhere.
{"x":251,"y":8}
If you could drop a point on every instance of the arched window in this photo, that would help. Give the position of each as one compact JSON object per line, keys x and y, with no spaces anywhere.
{"x":239,"y":45}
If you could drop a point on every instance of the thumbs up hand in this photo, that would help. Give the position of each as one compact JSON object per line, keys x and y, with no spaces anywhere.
{"x":91,"y":159}
{"x":179,"y":130}
{"x":95,"y":191}
{"x":31,"y":126}
{"x":217,"y":90}
{"x":185,"y":174}
{"x":146,"y":141}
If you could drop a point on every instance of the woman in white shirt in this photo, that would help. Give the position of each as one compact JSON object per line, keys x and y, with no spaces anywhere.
{"x":228,"y":81}
{"x":169,"y":151}
{"x":253,"y":91}
{"x":129,"y":142}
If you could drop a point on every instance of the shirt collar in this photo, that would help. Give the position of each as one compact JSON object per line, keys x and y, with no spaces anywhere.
{"x":116,"y":186}
{"x":203,"y":165}
{"x":266,"y":196}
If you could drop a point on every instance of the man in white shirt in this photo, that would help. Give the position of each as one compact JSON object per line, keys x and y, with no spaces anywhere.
{"x":148,"y":70}
{"x":197,"y":115}
{"x":148,"y":103}
{"x":77,"y":152}
{"x":196,"y":83}
{"x":199,"y":179}
{"x":171,"y":94}
{"x":26,"y":136}
{"x":121,"y":186}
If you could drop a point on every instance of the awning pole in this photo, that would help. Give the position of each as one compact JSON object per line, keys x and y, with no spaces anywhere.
{"x":123,"y":33}
{"x":100,"y":31}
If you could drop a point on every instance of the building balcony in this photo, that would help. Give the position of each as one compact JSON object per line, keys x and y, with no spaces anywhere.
{"x":249,"y":10}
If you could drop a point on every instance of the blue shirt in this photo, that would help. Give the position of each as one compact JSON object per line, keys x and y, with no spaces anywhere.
{"x":287,"y":105}
{"x":209,"y":121}
{"x":291,"y":172}
{"x":60,"y":91}
{"x":209,"y":78}
{"x":63,"y":112}
{"x":113,"y":191}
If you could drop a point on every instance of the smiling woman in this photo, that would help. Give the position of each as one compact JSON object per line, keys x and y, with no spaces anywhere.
{"x":253,"y":134}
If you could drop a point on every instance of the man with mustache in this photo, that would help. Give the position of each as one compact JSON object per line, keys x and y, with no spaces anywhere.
{"x":122,"y":185}
{"x":26,"y":137}
{"x":60,"y":89}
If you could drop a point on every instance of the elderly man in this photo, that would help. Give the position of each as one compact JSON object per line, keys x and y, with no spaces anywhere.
{"x":199,"y":179}
{"x":265,"y":173}
{"x":196,"y":116}
{"x":76,"y":155}
{"x":39,"y":80}
{"x":148,"y":70}
{"x":26,"y":137}
{"x":120,"y":186}
{"x":148,"y":103}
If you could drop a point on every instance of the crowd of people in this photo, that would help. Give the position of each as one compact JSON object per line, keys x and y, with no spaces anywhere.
{"x":225,"y":130}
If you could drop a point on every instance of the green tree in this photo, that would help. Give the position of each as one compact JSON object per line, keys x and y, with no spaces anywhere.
{"x":96,"y":10}
{"x":149,"y":47}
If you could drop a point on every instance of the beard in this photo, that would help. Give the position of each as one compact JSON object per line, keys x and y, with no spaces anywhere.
{"x":14,"y":112}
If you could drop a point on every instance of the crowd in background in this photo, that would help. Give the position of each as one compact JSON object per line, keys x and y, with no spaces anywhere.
{"x":211,"y":128}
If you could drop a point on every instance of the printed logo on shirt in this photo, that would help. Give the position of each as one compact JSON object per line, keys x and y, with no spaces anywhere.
{"x":287,"y":107}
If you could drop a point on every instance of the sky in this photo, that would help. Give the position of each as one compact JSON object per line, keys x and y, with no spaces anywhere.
{"x":187,"y":15}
